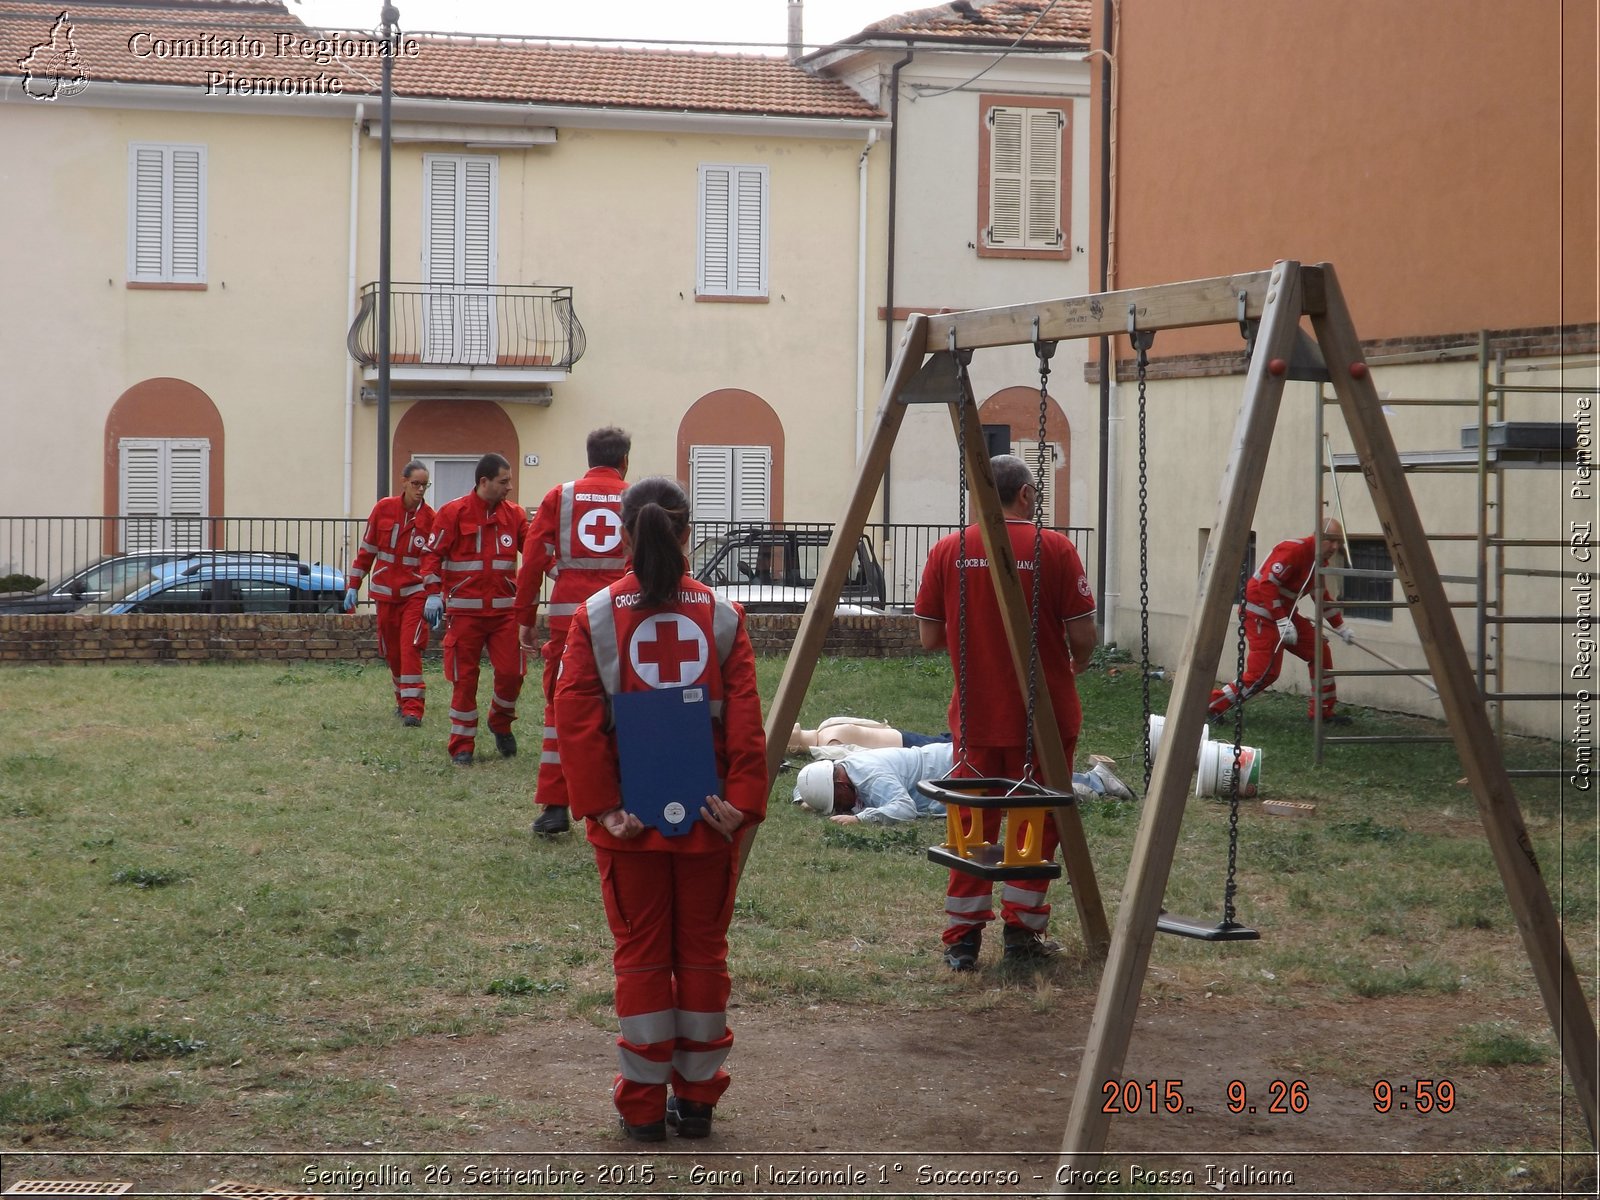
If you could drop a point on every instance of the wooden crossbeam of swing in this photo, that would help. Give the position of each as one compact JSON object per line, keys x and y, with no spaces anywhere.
{"x":1164,"y":306}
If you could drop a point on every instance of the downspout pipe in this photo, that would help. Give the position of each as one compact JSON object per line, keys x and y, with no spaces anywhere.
{"x":352,"y":370}
{"x":861,"y":292}
{"x":1107,"y":362}
{"x":888,"y":287}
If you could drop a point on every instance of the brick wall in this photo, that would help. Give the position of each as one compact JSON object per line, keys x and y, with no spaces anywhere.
{"x":68,"y":638}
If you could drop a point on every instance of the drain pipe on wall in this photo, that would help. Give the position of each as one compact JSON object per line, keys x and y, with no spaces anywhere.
{"x":888,"y":287}
{"x":352,"y":370}
{"x":1110,"y":408}
{"x":861,"y":292}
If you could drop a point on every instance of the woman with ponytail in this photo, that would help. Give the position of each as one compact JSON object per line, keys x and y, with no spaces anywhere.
{"x":668,"y":900}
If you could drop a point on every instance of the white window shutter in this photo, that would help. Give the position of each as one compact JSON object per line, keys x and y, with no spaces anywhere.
{"x":186,"y":263}
{"x":1031,"y":452}
{"x":147,"y":212}
{"x":716,"y":230}
{"x":711,"y":483}
{"x":1043,"y":226}
{"x":1006,"y":177}
{"x":753,"y":483}
{"x":166,"y":213}
{"x":477,"y":259}
{"x":733,"y":230}
{"x":751,"y":247}
{"x":439,"y":258}
{"x":163,"y":492}
{"x":1025,"y":178}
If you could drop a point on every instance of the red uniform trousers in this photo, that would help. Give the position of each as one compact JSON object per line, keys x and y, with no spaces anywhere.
{"x":552,"y":786}
{"x":402,"y":637}
{"x":969,"y":900}
{"x":669,"y":913}
{"x":1264,"y":659}
{"x":463,"y":652}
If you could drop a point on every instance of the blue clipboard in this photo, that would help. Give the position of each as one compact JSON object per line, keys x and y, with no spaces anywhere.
{"x":666,"y":754}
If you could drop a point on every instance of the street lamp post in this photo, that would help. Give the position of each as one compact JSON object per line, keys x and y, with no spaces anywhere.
{"x":391,"y":32}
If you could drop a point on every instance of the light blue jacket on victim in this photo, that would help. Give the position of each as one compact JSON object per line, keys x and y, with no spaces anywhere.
{"x":886,"y":782}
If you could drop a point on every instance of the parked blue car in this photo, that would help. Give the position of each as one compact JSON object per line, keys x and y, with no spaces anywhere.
{"x":223,"y":583}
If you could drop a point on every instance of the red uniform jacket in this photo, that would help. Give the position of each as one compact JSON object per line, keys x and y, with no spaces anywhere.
{"x":395,"y":539}
{"x":1283,"y":579}
{"x":472,"y":556}
{"x":576,"y":539}
{"x":602,"y":657}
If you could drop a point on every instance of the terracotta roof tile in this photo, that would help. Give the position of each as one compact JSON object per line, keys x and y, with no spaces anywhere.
{"x":987,"y":23}
{"x":135,"y":43}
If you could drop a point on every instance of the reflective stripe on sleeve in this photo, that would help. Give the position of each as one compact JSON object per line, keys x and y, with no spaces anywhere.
{"x":603,"y":636}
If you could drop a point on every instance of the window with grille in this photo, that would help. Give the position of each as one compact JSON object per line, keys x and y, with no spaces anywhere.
{"x":1365,"y":596}
{"x":730,"y":483}
{"x":1024,"y":148}
{"x":166,"y":213}
{"x":1249,"y":562}
{"x":733,"y":231}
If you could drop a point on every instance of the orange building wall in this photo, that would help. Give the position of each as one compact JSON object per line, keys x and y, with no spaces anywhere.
{"x":1440,"y":153}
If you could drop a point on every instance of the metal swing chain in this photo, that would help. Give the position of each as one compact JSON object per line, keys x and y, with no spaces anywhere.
{"x":964,"y":393}
{"x":1232,"y":886}
{"x":1142,"y":341}
{"x":1043,"y":351}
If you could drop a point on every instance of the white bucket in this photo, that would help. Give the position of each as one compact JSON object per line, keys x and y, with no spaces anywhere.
{"x":1215,"y":775}
{"x":1153,"y":734}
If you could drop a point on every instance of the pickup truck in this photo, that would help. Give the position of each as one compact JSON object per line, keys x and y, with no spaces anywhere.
{"x":771,"y":569}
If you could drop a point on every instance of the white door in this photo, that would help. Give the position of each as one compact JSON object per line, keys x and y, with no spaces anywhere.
{"x":458,"y":253}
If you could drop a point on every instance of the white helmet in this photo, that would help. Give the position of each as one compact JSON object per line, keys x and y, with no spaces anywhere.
{"x":813,"y":787}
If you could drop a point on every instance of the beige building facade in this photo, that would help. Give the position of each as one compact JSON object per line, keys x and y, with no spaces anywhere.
{"x":666,"y":241}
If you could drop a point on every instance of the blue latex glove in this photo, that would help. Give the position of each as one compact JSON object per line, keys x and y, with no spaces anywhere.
{"x":350,"y":600}
{"x":433,"y":611}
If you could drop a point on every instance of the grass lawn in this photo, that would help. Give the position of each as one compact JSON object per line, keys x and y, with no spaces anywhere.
{"x":211,"y":872}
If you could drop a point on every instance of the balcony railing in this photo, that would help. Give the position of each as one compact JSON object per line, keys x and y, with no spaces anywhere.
{"x":505,"y":326}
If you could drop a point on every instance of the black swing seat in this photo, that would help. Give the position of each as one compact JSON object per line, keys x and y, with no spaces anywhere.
{"x":987,"y":862}
{"x":1189,"y":927}
{"x":964,"y":850}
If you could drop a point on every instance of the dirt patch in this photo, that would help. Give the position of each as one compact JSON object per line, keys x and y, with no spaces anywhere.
{"x":831,"y":1101}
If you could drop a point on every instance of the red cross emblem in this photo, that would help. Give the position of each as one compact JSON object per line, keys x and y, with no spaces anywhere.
{"x":600,"y":531}
{"x":668,"y":650}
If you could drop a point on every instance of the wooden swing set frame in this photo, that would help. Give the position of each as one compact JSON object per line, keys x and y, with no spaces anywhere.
{"x":1278,"y":297}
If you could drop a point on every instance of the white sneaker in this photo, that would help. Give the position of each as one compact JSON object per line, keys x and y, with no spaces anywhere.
{"x":1114,"y":787}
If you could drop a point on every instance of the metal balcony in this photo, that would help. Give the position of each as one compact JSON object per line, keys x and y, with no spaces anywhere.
{"x":503,"y":338}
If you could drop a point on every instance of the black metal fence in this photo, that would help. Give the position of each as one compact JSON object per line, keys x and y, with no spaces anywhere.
{"x":54,"y":548}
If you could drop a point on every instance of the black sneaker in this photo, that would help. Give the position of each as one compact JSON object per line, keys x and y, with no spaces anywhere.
{"x":551,"y":821}
{"x":963,"y":955}
{"x":464,"y":759}
{"x":652,"y":1131}
{"x":689,"y":1118}
{"x":1026,"y":946}
{"x":506,"y":743}
{"x":411,"y":722}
